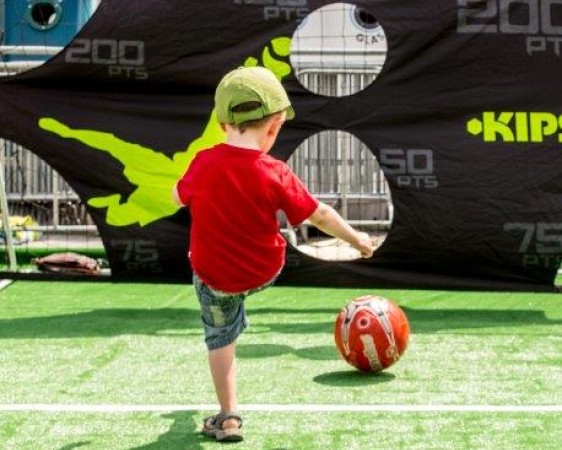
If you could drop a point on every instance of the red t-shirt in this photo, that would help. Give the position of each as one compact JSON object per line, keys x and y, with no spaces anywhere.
{"x":233,"y":195}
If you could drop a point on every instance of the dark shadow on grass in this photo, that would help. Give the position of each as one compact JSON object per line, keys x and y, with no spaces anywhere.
{"x":432,"y":320}
{"x":75,"y":445}
{"x":183,"y":433}
{"x":262,"y":350}
{"x":421,"y":320}
{"x":318,"y":353}
{"x":104,"y":322}
{"x":353,"y":378}
{"x":178,"y":321}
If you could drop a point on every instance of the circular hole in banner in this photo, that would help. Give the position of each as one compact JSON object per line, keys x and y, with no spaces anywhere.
{"x":342,"y":172}
{"x":338,"y":50}
{"x":33,"y":31}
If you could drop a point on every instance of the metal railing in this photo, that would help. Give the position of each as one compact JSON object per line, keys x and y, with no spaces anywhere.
{"x":341,"y":171}
{"x":19,"y":53}
{"x":33,"y":188}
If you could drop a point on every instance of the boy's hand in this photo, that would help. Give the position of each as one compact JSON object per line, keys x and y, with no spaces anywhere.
{"x":364,"y":245}
{"x":326,"y":219}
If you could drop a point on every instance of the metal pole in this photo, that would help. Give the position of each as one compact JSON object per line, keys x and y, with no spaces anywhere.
{"x":9,"y":243}
{"x":56,"y":202}
{"x":345,"y":174}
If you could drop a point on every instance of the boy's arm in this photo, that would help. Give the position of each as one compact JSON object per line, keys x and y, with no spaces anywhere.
{"x":326,"y":219}
{"x":176,"y":195}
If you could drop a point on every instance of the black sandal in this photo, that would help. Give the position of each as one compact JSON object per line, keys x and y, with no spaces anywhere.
{"x":212,"y":426}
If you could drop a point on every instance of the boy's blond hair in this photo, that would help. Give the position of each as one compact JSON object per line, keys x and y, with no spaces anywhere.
{"x":250,"y":124}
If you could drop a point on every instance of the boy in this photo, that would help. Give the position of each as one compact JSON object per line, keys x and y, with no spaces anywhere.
{"x":234,"y":191}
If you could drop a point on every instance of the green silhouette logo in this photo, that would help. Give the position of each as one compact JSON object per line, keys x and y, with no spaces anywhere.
{"x":153,"y":173}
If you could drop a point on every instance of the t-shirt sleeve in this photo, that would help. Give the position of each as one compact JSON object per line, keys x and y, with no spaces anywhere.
{"x":296,"y":201}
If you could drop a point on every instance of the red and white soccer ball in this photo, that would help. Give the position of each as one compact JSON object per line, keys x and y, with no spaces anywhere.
{"x":371,"y":333}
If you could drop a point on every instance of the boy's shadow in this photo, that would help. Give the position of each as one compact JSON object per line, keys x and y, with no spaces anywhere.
{"x":183,"y":433}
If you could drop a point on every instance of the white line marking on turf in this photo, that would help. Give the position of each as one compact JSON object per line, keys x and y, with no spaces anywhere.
{"x":321,"y":408}
{"x":5,"y":283}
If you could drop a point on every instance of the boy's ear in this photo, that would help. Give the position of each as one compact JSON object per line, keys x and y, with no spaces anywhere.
{"x":272,"y":128}
{"x":276,"y":123}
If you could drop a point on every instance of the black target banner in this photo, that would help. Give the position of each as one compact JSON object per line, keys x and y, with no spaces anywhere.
{"x":465,"y":120}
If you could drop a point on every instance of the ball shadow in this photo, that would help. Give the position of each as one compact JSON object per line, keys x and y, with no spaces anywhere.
{"x":353,"y":378}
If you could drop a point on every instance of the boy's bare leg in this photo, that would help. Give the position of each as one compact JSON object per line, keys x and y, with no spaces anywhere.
{"x":223,"y":370}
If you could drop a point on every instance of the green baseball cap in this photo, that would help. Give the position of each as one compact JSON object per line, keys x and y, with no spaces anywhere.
{"x":250,"y":84}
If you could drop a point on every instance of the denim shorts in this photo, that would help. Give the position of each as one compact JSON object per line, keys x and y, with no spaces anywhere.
{"x":223,"y":314}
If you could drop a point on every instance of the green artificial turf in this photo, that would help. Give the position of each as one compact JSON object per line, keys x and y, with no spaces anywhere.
{"x":127,"y":344}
